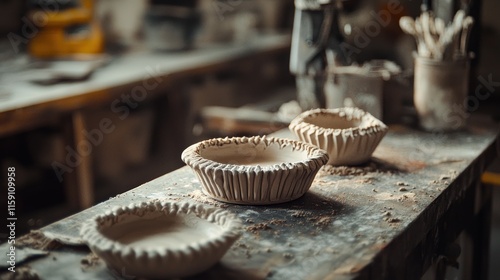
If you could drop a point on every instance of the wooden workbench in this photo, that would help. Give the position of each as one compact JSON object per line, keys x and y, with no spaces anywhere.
{"x":25,"y":101}
{"x":389,"y":219}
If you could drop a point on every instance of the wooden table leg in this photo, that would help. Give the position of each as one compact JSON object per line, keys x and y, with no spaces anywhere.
{"x":481,"y":235}
{"x":78,"y":183}
{"x":476,"y":237}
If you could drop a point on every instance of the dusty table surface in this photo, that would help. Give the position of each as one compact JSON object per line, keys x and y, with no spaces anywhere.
{"x":353,"y":222}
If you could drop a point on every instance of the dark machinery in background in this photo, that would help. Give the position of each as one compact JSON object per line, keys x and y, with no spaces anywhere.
{"x":318,"y":37}
{"x":171,"y":24}
{"x":315,"y":46}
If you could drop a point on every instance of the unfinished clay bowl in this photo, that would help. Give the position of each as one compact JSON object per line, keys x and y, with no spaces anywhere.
{"x":349,"y":135}
{"x":255,"y":170}
{"x":161,"y":240}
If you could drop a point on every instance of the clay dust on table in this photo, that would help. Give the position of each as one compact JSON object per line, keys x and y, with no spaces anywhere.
{"x":299,"y":214}
{"x":277,"y":222}
{"x":37,"y":240}
{"x":199,"y":196}
{"x":258,"y":227}
{"x":89,"y":261}
{"x":23,"y":273}
{"x":320,"y":221}
{"x":371,"y":167}
{"x":255,"y":228}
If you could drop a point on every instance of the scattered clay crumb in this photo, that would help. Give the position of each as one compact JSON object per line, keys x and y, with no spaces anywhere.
{"x":298,"y":214}
{"x":363,"y":181}
{"x":402,"y":184}
{"x":403,"y":198}
{"x":330,"y":250}
{"x":37,"y":240}
{"x":386,"y":214}
{"x":200,"y":197}
{"x":249,"y":221}
{"x":374,"y":190}
{"x":248,"y":255}
{"x":23,"y":273}
{"x":277,"y":222}
{"x":403,"y":189}
{"x":268,"y":250}
{"x":372,"y":166}
{"x":393,"y":220}
{"x":257,"y":227}
{"x":444,"y":177}
{"x":341,"y":171}
{"x":287,"y":255}
{"x":89,"y":261}
{"x":345,"y":170}
{"x":323,"y":221}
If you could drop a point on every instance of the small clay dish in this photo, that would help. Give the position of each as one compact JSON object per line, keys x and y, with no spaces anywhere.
{"x":161,"y":240}
{"x":255,"y":170}
{"x":349,"y":135}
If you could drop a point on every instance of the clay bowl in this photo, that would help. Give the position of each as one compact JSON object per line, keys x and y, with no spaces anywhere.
{"x":349,"y":135}
{"x":255,"y":170}
{"x":161,"y":240}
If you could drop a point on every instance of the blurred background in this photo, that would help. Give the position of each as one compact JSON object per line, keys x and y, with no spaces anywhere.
{"x":98,"y":97}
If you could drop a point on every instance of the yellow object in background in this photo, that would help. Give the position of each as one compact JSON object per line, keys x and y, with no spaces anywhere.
{"x":66,"y":32}
{"x":491,"y":178}
{"x":56,"y":42}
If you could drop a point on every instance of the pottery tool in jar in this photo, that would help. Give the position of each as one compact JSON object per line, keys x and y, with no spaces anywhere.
{"x":441,"y":68}
{"x":436,"y":40}
{"x":408,"y":26}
